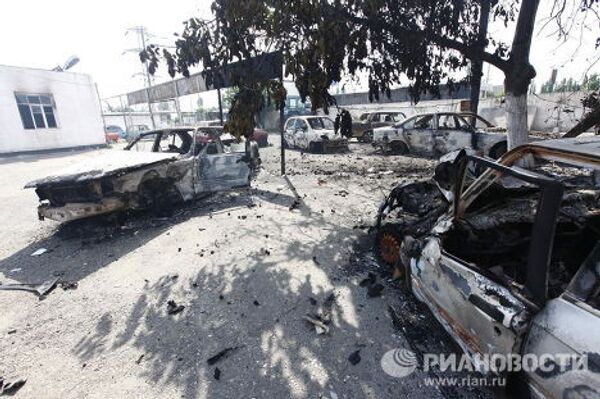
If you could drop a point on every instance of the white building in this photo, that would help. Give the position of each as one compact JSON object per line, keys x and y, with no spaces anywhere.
{"x":45,"y":110}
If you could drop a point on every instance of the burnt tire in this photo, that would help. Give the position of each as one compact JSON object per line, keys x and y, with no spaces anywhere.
{"x":367,"y":137}
{"x":388,"y":240}
{"x":398,"y":148}
{"x":159,"y":196}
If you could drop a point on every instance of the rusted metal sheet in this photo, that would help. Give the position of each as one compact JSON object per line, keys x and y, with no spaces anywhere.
{"x":265,"y":67}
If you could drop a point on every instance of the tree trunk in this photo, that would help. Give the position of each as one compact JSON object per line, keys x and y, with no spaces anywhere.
{"x":519,"y":74}
{"x":516,"y":119}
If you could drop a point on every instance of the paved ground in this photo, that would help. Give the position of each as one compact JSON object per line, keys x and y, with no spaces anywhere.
{"x":246,"y":268}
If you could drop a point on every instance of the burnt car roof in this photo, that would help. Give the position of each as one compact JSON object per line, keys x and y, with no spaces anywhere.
{"x":588,"y":147}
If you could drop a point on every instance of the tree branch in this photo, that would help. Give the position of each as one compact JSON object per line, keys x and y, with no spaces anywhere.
{"x":468,"y":51}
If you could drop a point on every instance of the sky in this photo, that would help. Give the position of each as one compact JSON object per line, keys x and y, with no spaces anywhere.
{"x":96,"y":31}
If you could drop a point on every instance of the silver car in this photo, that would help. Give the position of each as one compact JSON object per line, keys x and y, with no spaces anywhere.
{"x":436,"y":134}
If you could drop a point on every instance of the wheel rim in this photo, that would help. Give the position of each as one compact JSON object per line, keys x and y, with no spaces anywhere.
{"x":389,"y":248}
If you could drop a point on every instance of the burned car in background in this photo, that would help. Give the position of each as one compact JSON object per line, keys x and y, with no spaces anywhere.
{"x":436,"y":134}
{"x":480,"y":123}
{"x":314,"y":134}
{"x":363,"y":128}
{"x":156,"y":170}
{"x":509,"y":261}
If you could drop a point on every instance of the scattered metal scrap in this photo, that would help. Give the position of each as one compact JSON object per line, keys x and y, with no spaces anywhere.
{"x":10,"y":388}
{"x":221,"y":355}
{"x":41,"y":290}
{"x":173,"y":308}
{"x":321,"y":319}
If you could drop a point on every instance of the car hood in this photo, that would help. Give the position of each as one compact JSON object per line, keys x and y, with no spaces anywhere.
{"x":105,"y":164}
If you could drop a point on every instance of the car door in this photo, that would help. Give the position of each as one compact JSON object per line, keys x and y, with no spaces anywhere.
{"x":302,"y":134}
{"x":418,"y":134}
{"x":485,"y":313}
{"x":288,"y":133}
{"x":217,"y":170}
{"x":566,"y":326}
{"x":452,"y":133}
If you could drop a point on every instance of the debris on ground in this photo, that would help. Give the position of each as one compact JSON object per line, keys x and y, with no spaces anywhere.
{"x":370,"y":279}
{"x":373,"y":287}
{"x":41,"y":290}
{"x":13,"y":331}
{"x":222,"y":354}
{"x":68,"y":285}
{"x":10,"y":388}
{"x":139,"y":359}
{"x":374,"y":290}
{"x":217,"y":373}
{"x":320,"y":327}
{"x":354,"y":358}
{"x":173,"y":308}
{"x":322,"y":318}
{"x":39,"y":252}
{"x":396,"y":322}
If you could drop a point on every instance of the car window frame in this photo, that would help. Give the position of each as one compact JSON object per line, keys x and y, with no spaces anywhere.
{"x":544,"y":225}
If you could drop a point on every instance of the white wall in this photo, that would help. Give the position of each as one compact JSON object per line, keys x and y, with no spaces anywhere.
{"x":77,"y":110}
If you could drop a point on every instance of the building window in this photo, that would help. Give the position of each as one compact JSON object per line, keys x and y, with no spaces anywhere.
{"x":37,"y":110}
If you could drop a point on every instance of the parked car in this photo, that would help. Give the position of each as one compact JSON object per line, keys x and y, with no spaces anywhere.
{"x":313,"y":134}
{"x":436,"y":134}
{"x":157,"y":170}
{"x":134,"y":131}
{"x":507,"y":259}
{"x":363,"y":128}
{"x":113,"y":133}
{"x":480,"y":123}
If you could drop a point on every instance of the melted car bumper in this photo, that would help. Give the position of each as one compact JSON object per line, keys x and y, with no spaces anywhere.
{"x":79,"y":210}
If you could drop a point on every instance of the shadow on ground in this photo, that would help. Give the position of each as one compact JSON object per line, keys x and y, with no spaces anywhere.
{"x":254,"y":305}
{"x":79,"y":248}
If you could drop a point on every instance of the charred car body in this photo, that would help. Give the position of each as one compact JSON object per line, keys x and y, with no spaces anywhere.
{"x":508,"y":262}
{"x":436,"y":134}
{"x":363,"y":128}
{"x":156,"y":170}
{"x":313,"y":134}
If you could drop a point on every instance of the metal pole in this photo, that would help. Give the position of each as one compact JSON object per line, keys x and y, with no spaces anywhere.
{"x":142,"y":33}
{"x":477,"y":64}
{"x":220,"y":106}
{"x":177,"y":106}
{"x":281,"y":116}
{"x":124,"y":113}
{"x":101,"y":111}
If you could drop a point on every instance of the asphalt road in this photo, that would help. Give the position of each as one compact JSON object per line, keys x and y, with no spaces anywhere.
{"x":245,"y":267}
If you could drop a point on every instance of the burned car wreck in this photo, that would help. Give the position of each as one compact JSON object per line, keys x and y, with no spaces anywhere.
{"x":155,"y":171}
{"x":506,"y":258}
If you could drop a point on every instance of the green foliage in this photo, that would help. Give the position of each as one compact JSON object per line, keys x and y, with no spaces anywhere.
{"x":592,"y":83}
{"x":392,"y":42}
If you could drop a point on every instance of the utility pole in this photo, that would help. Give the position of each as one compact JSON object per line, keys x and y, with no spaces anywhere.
{"x":141,"y":37}
{"x":477,"y":64}
{"x":177,"y":105}
{"x":220,"y":106}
